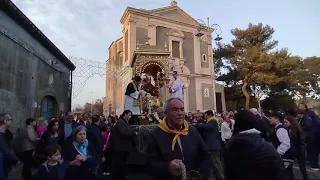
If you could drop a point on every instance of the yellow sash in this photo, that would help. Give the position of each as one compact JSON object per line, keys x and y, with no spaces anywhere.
{"x":215,"y":119}
{"x":183,"y":132}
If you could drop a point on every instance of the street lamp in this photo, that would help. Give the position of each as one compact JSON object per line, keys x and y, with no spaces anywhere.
{"x":91,"y":102}
{"x":210,"y":28}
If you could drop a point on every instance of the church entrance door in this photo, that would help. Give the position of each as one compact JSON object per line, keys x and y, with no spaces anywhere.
{"x":47,"y":107}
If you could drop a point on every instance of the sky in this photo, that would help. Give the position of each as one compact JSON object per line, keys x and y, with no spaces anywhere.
{"x":86,"y":28}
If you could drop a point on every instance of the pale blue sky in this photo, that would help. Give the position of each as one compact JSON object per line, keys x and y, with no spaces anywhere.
{"x":85,"y":28}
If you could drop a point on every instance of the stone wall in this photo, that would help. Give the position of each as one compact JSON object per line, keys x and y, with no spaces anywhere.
{"x":28,"y":73}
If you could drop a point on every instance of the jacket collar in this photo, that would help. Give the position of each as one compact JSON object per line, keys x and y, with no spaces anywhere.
{"x":250,"y":131}
{"x":45,"y":164}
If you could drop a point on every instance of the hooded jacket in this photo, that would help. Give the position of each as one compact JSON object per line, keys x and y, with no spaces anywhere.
{"x":249,"y":156}
{"x":45,"y":174}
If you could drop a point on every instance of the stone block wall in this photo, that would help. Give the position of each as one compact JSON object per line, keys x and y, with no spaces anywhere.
{"x":28,"y":73}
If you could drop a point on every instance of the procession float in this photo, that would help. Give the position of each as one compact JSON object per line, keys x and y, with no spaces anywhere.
{"x":151,"y":62}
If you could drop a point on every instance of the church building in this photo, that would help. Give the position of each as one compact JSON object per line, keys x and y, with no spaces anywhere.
{"x":165,"y":35}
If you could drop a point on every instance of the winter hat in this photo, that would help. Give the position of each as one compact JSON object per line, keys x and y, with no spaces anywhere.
{"x":245,"y":120}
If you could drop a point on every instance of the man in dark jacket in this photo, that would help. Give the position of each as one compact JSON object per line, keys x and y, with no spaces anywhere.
{"x":9,"y":157}
{"x":211,"y":135}
{"x":305,"y":123}
{"x":121,"y":143}
{"x":2,"y":176}
{"x":95,"y":137}
{"x":95,"y":134}
{"x":309,"y":112}
{"x":248,"y":156}
{"x":263,"y":124}
{"x":175,"y":148}
{"x":315,"y":149}
{"x":67,"y":125}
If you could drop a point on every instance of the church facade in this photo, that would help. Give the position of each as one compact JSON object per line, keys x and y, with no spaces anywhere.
{"x":174,"y":30}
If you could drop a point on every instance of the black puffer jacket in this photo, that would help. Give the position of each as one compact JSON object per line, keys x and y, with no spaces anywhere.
{"x":248,"y":156}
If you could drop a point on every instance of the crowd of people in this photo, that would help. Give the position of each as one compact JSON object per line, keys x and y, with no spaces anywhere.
{"x":234,"y":145}
{"x":73,"y":147}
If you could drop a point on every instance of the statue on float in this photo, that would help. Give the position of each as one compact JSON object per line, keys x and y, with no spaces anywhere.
{"x":152,"y":101}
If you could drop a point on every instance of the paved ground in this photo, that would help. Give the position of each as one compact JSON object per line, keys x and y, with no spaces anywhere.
{"x":297,"y":173}
{"x":16,"y":172}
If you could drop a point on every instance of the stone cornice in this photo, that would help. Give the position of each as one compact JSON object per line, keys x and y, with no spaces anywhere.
{"x":115,"y":41}
{"x":144,"y":13}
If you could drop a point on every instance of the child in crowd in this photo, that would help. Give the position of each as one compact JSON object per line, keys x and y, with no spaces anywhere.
{"x":54,"y":168}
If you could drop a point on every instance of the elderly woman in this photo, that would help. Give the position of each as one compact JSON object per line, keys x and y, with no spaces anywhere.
{"x":81,"y":148}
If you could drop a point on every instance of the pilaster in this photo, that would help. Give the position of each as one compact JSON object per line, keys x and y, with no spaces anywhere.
{"x":186,"y":83}
{"x":132,"y":38}
{"x":198,"y":94}
{"x":197,"y":60}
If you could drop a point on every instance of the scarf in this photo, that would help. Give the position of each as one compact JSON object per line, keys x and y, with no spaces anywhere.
{"x":213,"y":118}
{"x":183,"y":132}
{"x":82,"y":148}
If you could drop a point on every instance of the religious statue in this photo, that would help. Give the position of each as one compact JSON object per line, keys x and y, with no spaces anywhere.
{"x":148,"y":87}
{"x":152,"y":99}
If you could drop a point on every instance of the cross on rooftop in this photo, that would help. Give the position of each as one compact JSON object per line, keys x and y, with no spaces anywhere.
{"x":174,"y":3}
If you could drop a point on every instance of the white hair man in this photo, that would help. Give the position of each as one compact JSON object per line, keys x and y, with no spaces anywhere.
{"x":160,"y":112}
{"x":254,"y":111}
{"x":166,"y":160}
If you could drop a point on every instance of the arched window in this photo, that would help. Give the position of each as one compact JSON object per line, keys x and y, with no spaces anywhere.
{"x":204,"y":58}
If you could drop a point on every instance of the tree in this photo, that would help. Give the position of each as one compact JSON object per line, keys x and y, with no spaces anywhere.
{"x":227,"y":74}
{"x":87,"y":108}
{"x":308,"y":77}
{"x":258,"y":67}
{"x":78,"y":107}
{"x":277,"y":101}
{"x":97,"y":107}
